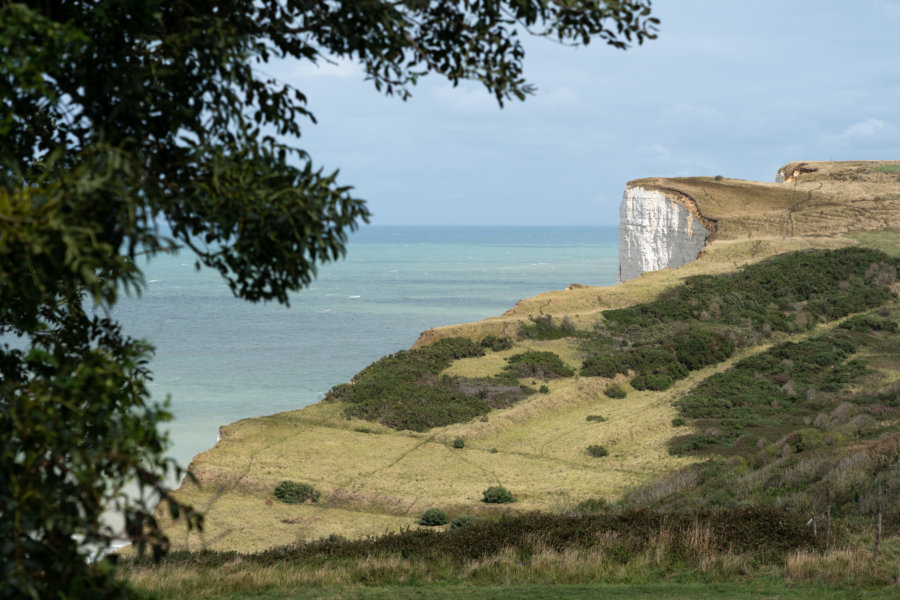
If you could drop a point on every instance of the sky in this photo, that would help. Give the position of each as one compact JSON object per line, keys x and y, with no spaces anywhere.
{"x":729,"y":88}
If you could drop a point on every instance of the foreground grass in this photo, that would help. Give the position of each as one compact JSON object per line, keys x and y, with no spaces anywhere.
{"x":749,"y":590}
{"x":745,"y":553}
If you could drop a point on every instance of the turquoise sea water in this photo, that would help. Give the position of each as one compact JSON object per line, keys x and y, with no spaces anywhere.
{"x":222,"y":359}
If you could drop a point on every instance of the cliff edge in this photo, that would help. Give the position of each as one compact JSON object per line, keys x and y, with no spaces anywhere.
{"x":667,"y":222}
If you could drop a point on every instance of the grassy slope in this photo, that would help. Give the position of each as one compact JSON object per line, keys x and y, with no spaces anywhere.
{"x":375,"y":479}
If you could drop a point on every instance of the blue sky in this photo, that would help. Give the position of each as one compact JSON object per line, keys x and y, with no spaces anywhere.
{"x":731,"y":88}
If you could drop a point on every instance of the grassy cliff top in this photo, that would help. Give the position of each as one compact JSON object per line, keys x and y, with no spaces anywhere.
{"x":816,"y":198}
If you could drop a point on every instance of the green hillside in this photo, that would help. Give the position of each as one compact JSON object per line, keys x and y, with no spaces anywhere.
{"x":736,"y":417}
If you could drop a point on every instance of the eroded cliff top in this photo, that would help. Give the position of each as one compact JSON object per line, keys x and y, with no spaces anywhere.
{"x":810,"y":198}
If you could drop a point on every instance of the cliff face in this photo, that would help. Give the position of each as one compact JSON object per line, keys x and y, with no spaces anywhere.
{"x":657,"y":230}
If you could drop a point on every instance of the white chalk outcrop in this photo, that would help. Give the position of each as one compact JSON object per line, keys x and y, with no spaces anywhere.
{"x":657,"y":230}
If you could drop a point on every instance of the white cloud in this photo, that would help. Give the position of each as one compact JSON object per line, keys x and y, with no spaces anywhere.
{"x":892,"y":9}
{"x":862,"y":130}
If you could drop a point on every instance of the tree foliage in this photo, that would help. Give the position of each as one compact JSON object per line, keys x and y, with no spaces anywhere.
{"x":129,"y":127}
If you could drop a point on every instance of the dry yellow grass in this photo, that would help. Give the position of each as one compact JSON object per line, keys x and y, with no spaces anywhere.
{"x":377,"y":482}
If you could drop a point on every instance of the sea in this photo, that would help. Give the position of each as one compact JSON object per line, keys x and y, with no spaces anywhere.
{"x":219,"y":359}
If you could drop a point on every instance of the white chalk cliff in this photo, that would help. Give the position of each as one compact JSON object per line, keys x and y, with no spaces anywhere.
{"x":657,"y":230}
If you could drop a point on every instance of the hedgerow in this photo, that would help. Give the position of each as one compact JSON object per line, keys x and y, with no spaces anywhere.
{"x":766,"y":535}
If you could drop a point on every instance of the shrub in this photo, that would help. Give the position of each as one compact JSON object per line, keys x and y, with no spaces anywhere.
{"x":614,"y":390}
{"x":497,"y":494}
{"x":597,"y":451}
{"x":678,"y":422}
{"x":543,"y":365}
{"x":459,"y":442}
{"x":698,"y":347}
{"x":433,"y":517}
{"x":596,"y":418}
{"x":292,"y":492}
{"x":404,"y":390}
{"x":544,"y":389}
{"x":603,"y":365}
{"x":652,"y":382}
{"x":543,"y":328}
{"x":865,"y":323}
{"x":492,"y":342}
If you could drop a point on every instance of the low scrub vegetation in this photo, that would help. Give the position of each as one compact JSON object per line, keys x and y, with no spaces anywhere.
{"x":497,"y":494}
{"x":537,"y":364}
{"x":597,"y":451}
{"x":674,"y":540}
{"x":547,"y":328}
{"x":615,"y":391}
{"x":704,"y":321}
{"x":292,"y":492}
{"x":689,"y":327}
{"x":433,"y":517}
{"x":404,"y":390}
{"x":808,"y":425}
{"x":497,"y":344}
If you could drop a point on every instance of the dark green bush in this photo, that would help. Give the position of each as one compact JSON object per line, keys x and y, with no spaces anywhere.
{"x":540,"y":364}
{"x":606,"y":364}
{"x":678,"y":422}
{"x":543,"y":328}
{"x":404,"y":391}
{"x":544,"y":389}
{"x":596,"y":418}
{"x":698,"y":347}
{"x":497,"y":494}
{"x":768,"y":391}
{"x":869,"y":322}
{"x":292,"y":492}
{"x":459,"y":442}
{"x":748,"y":295}
{"x":614,"y":390}
{"x":596,"y":450}
{"x":492,"y":342}
{"x":433,"y":517}
{"x":654,"y":382}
